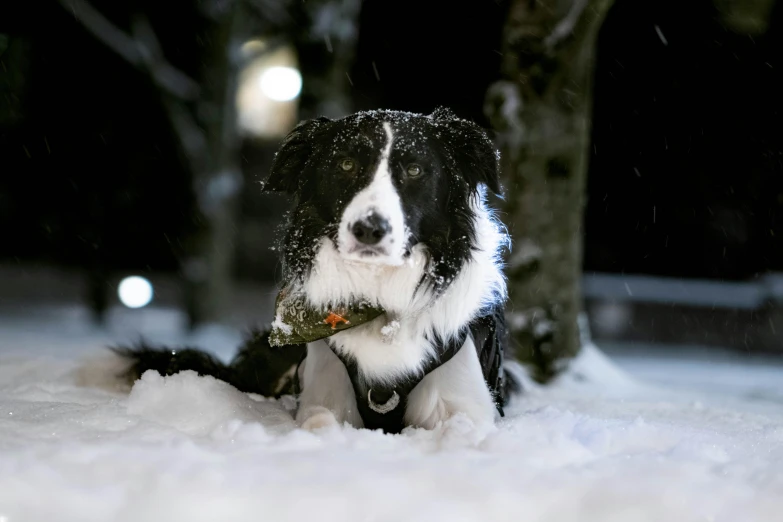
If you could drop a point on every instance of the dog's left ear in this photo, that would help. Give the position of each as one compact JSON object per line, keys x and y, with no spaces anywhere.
{"x":291,"y":158}
{"x":473,"y":148}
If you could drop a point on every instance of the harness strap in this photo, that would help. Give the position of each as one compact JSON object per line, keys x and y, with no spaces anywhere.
{"x":383,"y":406}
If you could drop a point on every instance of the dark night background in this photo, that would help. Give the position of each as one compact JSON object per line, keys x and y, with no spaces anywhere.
{"x":686,"y":174}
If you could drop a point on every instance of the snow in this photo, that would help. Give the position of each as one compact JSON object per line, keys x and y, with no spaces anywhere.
{"x":389,"y":330}
{"x":597,"y":445}
{"x":282,"y":326}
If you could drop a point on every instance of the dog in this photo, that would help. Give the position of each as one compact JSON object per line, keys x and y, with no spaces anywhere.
{"x":393,"y":287}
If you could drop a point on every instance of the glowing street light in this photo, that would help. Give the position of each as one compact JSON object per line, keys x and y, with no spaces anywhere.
{"x":281,"y":83}
{"x":135,"y":292}
{"x":270,"y":84}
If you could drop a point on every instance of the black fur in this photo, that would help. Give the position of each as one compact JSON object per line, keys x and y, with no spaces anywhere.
{"x":256,"y":368}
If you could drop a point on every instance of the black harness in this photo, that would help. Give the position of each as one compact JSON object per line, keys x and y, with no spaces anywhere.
{"x":383,"y":406}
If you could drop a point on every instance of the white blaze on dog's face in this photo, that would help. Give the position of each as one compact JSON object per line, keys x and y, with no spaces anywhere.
{"x":372,"y":228}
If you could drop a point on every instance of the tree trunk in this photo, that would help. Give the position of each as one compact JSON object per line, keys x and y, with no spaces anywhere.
{"x":217,"y":178}
{"x":542,"y":111}
{"x":746,"y":16}
{"x":328,"y":41}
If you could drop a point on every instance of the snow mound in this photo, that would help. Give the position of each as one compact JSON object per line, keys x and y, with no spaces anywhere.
{"x":199,"y":405}
{"x":591,"y":368}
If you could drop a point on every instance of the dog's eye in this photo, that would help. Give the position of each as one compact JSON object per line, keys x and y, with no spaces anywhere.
{"x":414,"y":170}
{"x":347,"y":165}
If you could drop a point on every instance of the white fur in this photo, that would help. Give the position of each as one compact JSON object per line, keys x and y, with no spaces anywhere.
{"x":326,"y":387}
{"x":381,"y":359}
{"x":458,"y":385}
{"x":379,"y":197}
{"x":333,"y":279}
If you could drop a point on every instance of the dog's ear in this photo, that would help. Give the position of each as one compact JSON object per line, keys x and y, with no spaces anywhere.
{"x":291,"y":158}
{"x":473,"y":148}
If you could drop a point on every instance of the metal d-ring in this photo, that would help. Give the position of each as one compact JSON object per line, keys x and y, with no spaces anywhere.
{"x":386,"y":407}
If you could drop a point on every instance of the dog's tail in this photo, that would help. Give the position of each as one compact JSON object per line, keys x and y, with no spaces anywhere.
{"x":257,"y":367}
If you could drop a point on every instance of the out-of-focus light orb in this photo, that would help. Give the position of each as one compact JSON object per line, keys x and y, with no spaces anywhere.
{"x":258,"y":114}
{"x":135,"y":292}
{"x":281,"y":83}
{"x":613,"y":318}
{"x":252,"y":47}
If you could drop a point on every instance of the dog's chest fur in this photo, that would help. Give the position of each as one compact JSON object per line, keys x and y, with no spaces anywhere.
{"x":399,"y":342}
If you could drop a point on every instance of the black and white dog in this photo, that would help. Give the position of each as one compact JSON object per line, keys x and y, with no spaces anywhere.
{"x":390,"y":212}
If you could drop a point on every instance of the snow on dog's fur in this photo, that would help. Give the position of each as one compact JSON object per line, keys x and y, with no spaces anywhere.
{"x":390,"y":208}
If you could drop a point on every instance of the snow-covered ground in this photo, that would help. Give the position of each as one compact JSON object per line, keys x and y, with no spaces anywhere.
{"x":600,"y":445}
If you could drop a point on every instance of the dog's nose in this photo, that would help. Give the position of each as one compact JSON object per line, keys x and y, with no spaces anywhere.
{"x":371,"y":229}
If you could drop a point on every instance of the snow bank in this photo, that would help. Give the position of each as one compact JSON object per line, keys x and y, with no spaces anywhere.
{"x":595,"y":370}
{"x":192,"y":448}
{"x":200,"y":405}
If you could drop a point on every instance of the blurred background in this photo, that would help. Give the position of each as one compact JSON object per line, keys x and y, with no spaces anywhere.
{"x":134,"y":135}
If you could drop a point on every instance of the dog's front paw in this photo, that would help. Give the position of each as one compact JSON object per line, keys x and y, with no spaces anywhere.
{"x":428,"y":409}
{"x":316,"y":418}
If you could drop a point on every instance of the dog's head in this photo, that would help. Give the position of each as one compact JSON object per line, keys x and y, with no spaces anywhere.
{"x":378,"y":183}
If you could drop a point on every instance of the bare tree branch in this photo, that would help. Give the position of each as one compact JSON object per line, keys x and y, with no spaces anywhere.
{"x":191,"y":136}
{"x":142,"y":51}
{"x":565,"y":27}
{"x":275,"y":13}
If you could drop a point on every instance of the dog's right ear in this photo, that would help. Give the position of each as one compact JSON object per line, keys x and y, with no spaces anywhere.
{"x":291,"y":158}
